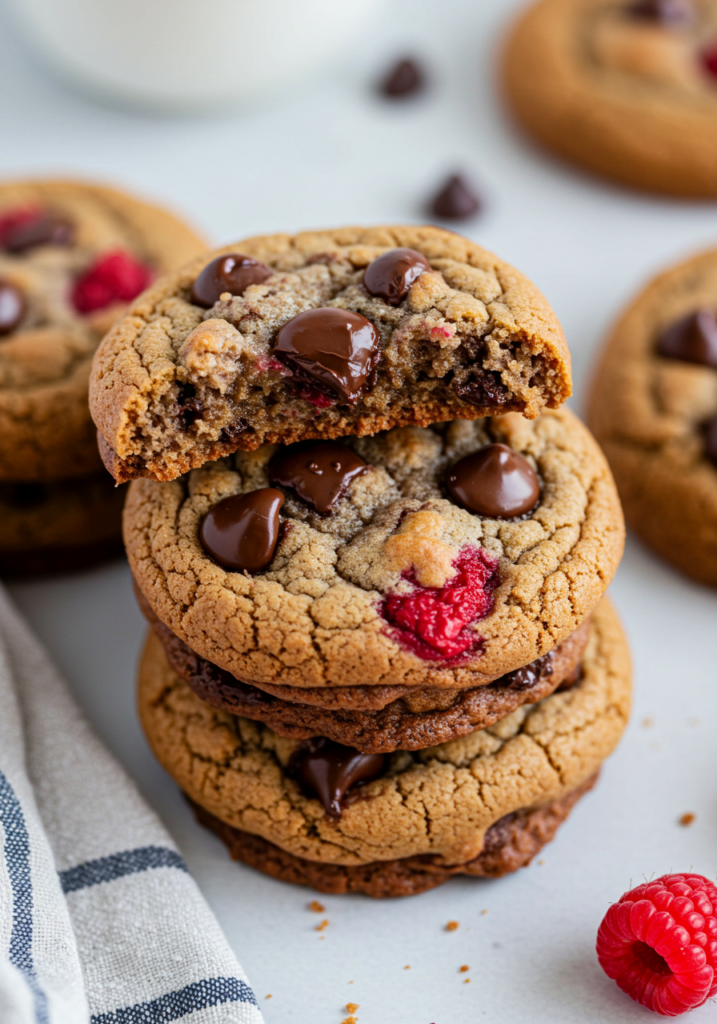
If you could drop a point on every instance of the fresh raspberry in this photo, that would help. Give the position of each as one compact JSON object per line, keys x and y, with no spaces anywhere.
{"x":433,"y":621}
{"x":659,"y":943}
{"x":115,"y":277}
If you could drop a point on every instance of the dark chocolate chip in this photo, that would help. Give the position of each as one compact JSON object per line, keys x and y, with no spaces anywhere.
{"x":45,"y":229}
{"x":495,"y":482}
{"x":692,"y":338}
{"x":334,"y":346}
{"x":12,"y":307}
{"x":234,"y":430}
{"x":665,"y":12}
{"x":318,"y":472}
{"x":329,"y":769}
{"x":528,"y":676}
{"x":190,"y":408}
{"x":390,"y":276}
{"x":455,"y":200}
{"x":405,"y":78}
{"x":231,"y":274}
{"x":484,"y":388}
{"x":711,"y":440}
{"x":241,"y":532}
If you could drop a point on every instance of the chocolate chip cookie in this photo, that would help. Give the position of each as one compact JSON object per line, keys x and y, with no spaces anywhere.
{"x":391,"y":824}
{"x":441,"y":557}
{"x":627,"y":88}
{"x":653,"y":407}
{"x":281,"y":339}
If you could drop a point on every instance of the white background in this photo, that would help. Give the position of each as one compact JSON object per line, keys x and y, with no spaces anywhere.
{"x":332,"y":153}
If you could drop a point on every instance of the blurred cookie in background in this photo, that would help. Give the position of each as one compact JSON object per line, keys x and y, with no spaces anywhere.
{"x":628,"y":89}
{"x":71,"y":257}
{"x":653,"y":409}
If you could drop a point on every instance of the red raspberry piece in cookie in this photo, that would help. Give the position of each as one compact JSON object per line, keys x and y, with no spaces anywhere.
{"x":115,"y":277}
{"x":15,"y":219}
{"x":709,"y":60}
{"x":433,"y":621}
{"x":659,"y":943}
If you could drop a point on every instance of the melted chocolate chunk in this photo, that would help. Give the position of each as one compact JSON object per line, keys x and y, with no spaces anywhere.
{"x":484,"y":389}
{"x":318,"y":472}
{"x":665,"y":12}
{"x":692,"y":338}
{"x":241,"y":532}
{"x":45,"y":229}
{"x":329,"y":769}
{"x":190,"y":408}
{"x":495,"y":482}
{"x":711,"y":440}
{"x":390,"y":276}
{"x":334,"y":346}
{"x":405,"y":78}
{"x":234,"y":430}
{"x":12,"y":307}
{"x":528,"y":676}
{"x":231,"y":274}
{"x":455,"y":200}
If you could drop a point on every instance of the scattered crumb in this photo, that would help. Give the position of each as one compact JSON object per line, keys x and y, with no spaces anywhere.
{"x":352,"y":1007}
{"x":350,"y":983}
{"x":407,"y":967}
{"x":686,"y":819}
{"x":349,"y":1020}
{"x":647,"y":723}
{"x":464,"y":968}
{"x":318,"y":908}
{"x":483,"y":912}
{"x":451,"y":926}
{"x":324,"y":924}
{"x":540,"y":863}
{"x":466,"y":981}
{"x":269,"y":996}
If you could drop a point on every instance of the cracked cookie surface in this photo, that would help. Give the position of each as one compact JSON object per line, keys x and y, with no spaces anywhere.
{"x":314,"y":617}
{"x":629,"y":96}
{"x":439,"y":801}
{"x":175,"y":385}
{"x":649,"y":414}
{"x":45,"y":427}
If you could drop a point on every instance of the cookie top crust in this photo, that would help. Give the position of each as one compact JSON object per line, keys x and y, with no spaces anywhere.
{"x":176,"y":384}
{"x":652,"y":415}
{"x":342,"y":602}
{"x":627,"y":89}
{"x":56,"y":238}
{"x":437,"y":801}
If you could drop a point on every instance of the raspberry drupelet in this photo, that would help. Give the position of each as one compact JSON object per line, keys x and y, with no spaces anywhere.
{"x":659,"y":943}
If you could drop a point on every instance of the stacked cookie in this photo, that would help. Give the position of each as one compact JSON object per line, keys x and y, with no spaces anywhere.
{"x":373,"y":551}
{"x":71,"y":257}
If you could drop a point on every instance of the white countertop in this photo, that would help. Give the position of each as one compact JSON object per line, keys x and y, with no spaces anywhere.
{"x":333,"y":153}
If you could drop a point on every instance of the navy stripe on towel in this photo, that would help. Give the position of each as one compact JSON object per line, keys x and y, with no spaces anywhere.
{"x":200,"y":995}
{"x":117,"y":865}
{"x":17,"y":860}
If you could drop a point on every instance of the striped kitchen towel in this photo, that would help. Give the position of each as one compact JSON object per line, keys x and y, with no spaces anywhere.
{"x":99,"y":919}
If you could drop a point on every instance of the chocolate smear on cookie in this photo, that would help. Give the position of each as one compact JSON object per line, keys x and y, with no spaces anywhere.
{"x":329,"y":769}
{"x":241,"y":532}
{"x":692,"y":338}
{"x":12,"y":307}
{"x":319,"y":472}
{"x":495,"y":482}
{"x":233,"y":274}
{"x":335,"y":347}
{"x":391,"y":275}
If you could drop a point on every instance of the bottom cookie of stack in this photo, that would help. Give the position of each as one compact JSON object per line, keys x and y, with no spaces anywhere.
{"x":482,"y":804}
{"x":59,"y":525}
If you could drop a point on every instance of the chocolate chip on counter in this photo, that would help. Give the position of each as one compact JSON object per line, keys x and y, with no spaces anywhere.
{"x":233,"y":274}
{"x":12,"y":307}
{"x":405,"y":78}
{"x":329,"y":769}
{"x":390,"y":276}
{"x":45,"y":229}
{"x":665,"y":12}
{"x":336,"y":347}
{"x":319,"y":472}
{"x":495,"y":482}
{"x":455,"y":200}
{"x":692,"y":338}
{"x":241,"y":532}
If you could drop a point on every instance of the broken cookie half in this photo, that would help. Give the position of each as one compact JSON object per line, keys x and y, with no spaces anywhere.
{"x":321,"y":335}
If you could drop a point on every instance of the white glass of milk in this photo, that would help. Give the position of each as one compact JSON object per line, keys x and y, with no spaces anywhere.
{"x":191,"y":53}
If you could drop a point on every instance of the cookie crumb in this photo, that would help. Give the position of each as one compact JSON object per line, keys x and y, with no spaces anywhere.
{"x":407,"y":967}
{"x":352,"y":1007}
{"x":648,"y":722}
{"x":316,"y":907}
{"x":349,"y":1020}
{"x":452,"y":926}
{"x":483,"y":912}
{"x":686,"y":819}
{"x":540,"y":863}
{"x":324,"y":924}
{"x":466,"y":981}
{"x":463,"y":969}
{"x":269,"y":996}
